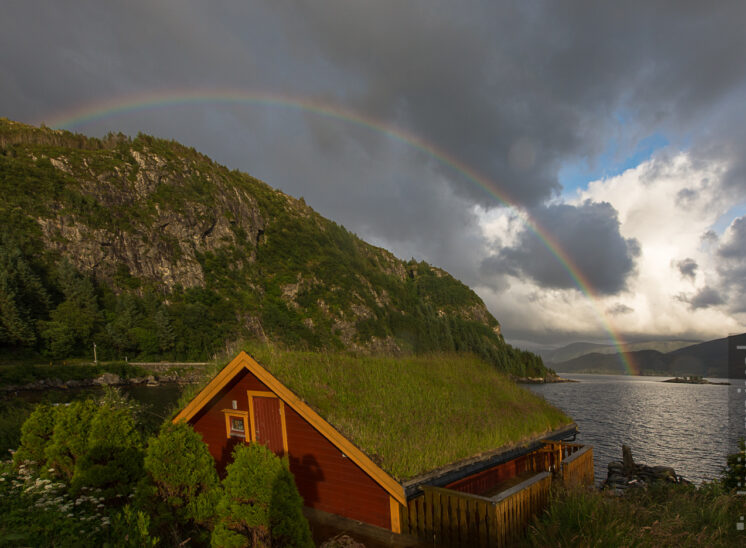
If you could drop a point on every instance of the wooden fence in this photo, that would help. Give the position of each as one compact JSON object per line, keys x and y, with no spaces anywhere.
{"x":577,"y":469}
{"x":446,"y":517}
{"x":451,"y":518}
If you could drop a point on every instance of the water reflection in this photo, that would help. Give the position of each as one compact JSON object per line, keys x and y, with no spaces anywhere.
{"x":679,"y":425}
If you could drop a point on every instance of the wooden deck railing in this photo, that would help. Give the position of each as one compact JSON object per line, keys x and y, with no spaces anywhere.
{"x":445,"y":517}
{"x":451,"y":518}
{"x":577,"y":469}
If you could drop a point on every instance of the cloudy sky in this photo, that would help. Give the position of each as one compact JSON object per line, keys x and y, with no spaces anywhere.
{"x":580,"y":164}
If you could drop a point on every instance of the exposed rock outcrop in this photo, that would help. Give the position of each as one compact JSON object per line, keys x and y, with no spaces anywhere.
{"x":626,"y":474}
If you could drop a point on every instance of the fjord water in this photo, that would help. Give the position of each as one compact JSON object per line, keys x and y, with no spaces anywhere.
{"x":685,"y":426}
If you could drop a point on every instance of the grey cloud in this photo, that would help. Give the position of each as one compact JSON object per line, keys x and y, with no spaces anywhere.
{"x":735,"y":246}
{"x":686,"y":196}
{"x":588,"y":234}
{"x":709,"y":237}
{"x":687,"y":268}
{"x":704,"y":298}
{"x":482,"y":80}
{"x":732,"y":265}
{"x":618,"y":309}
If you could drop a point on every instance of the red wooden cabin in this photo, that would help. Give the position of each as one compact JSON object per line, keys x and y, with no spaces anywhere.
{"x":246,"y":403}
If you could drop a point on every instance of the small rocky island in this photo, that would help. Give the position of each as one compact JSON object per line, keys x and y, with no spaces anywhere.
{"x":549,"y":378}
{"x":694,"y":379}
{"x":627,"y":473}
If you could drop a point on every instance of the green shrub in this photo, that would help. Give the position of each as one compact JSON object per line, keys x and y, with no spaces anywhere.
{"x":36,"y":433}
{"x":131,"y":529}
{"x":113,"y":461}
{"x":69,"y":440}
{"x":183,"y":471}
{"x":260,"y":505}
{"x":88,"y":444}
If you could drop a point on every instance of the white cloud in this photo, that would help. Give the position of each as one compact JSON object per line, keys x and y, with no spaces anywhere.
{"x":668,"y":204}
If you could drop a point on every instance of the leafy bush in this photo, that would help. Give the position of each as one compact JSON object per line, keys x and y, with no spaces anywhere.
{"x":36,"y":433}
{"x":183,"y":471}
{"x":88,"y":444}
{"x":260,"y":505}
{"x":69,"y":439}
{"x":113,"y":461}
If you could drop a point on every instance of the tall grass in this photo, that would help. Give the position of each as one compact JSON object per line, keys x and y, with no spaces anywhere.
{"x":416,"y":413}
{"x":661,"y":515}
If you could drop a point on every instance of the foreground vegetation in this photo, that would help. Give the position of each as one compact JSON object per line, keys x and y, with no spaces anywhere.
{"x":416,"y":413}
{"x":86,"y":474}
{"x":661,"y":515}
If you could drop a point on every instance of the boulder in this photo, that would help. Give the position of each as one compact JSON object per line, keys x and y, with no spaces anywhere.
{"x":627,"y":473}
{"x":107,"y":379}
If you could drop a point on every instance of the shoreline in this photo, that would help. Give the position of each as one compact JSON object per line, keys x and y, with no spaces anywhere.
{"x":541,"y":380}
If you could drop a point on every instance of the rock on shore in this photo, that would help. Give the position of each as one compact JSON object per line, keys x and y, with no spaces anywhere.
{"x":625,"y":474}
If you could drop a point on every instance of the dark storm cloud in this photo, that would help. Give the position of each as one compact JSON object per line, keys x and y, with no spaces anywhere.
{"x":687,"y":268}
{"x":554,"y":76}
{"x":588,"y":234}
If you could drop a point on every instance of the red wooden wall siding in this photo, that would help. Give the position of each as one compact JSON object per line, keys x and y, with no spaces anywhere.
{"x":210,"y":421}
{"x":326,"y":479}
{"x":486,"y":480}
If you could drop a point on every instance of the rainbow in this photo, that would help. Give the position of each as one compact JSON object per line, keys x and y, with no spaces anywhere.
{"x":169,"y":98}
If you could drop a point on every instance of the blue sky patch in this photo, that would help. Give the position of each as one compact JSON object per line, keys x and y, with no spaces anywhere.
{"x":576,"y":175}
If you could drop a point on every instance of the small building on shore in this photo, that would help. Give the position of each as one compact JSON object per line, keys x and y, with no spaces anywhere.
{"x":363,"y":436}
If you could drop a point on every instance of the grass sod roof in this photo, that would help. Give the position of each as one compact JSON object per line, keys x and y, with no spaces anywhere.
{"x":413,"y":414}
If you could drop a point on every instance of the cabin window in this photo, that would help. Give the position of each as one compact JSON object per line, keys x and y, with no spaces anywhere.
{"x":237,"y":427}
{"x":236,"y":423}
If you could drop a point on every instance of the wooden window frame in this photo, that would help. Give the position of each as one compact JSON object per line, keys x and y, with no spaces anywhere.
{"x":236,"y":414}
{"x":251,"y":394}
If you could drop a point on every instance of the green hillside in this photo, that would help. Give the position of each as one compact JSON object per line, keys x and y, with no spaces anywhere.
{"x":153,"y":251}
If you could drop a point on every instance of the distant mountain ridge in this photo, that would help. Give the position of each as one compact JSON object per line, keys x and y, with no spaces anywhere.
{"x":151,"y":250}
{"x":707,"y":359}
{"x":577,"y":349}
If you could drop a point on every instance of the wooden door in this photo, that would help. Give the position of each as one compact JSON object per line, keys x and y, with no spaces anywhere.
{"x":268,"y":424}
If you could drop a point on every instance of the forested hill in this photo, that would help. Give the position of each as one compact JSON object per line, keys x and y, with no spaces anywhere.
{"x":153,"y":251}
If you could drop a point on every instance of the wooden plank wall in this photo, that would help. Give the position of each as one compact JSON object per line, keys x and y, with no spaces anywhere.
{"x":451,"y":518}
{"x":577,"y":469}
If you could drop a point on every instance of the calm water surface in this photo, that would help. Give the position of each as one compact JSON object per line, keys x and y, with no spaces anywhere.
{"x":681,"y":425}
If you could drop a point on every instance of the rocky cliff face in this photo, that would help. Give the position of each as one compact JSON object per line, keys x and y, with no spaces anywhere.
{"x":142,"y":217}
{"x":153,"y":241}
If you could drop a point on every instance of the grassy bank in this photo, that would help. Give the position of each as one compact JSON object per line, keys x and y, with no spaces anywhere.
{"x":661,"y":515}
{"x":413,"y":414}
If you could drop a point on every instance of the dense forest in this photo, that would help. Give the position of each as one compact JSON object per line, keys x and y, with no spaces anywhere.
{"x":150,"y":250}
